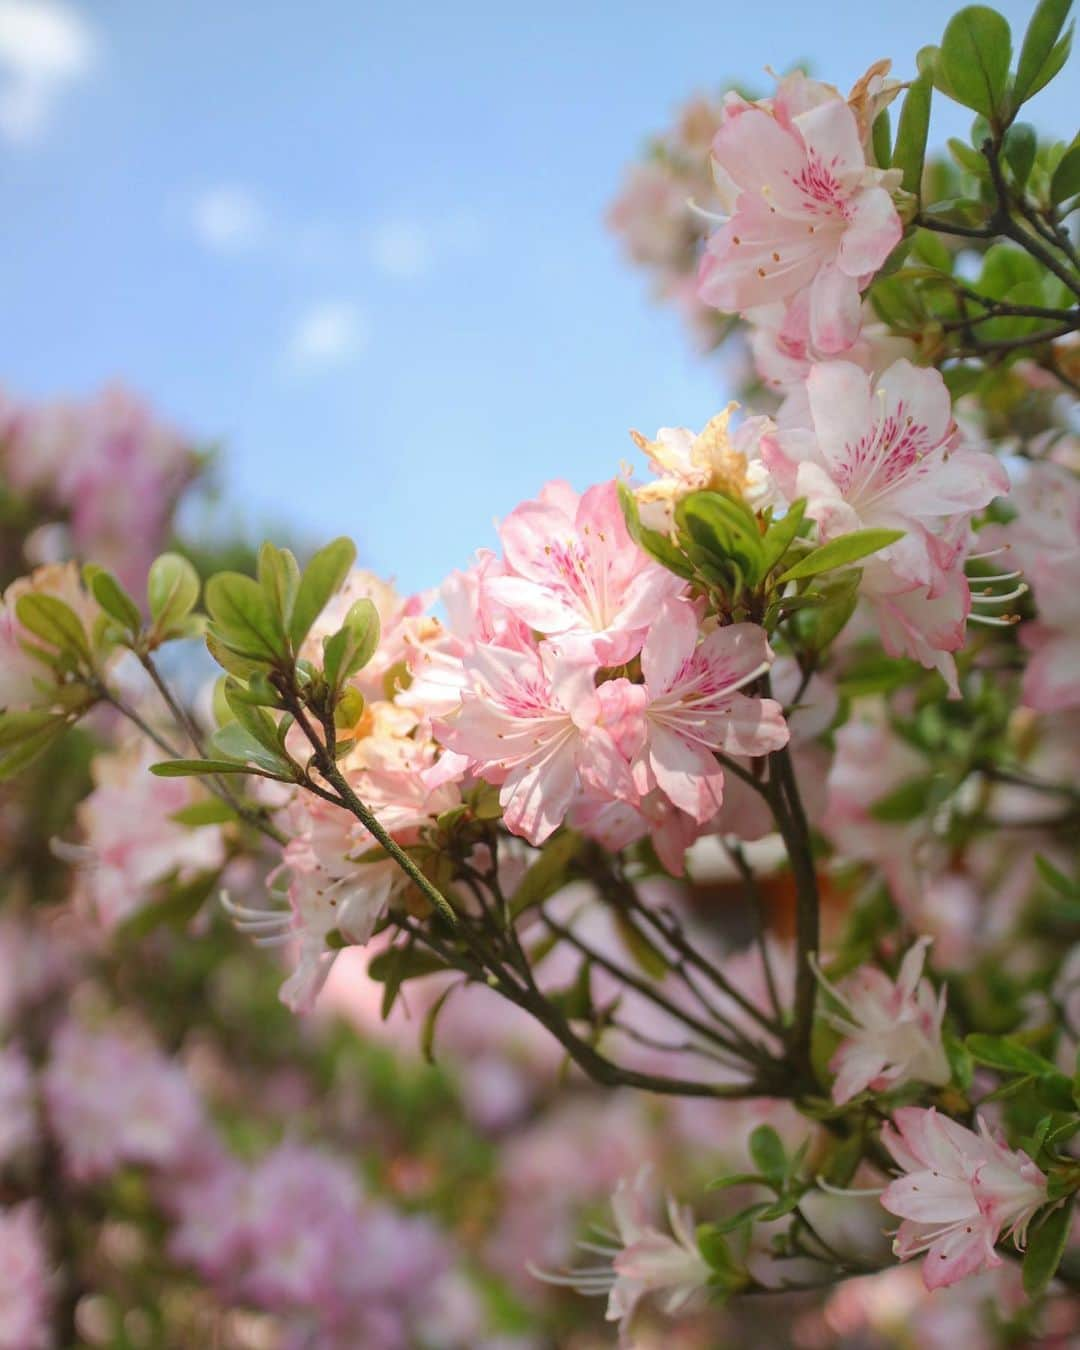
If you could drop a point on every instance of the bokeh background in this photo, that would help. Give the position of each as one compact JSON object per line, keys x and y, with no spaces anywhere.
{"x":362,"y":245}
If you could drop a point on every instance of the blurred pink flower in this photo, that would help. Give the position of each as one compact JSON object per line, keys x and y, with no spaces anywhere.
{"x":891,"y":1030}
{"x":24,"y":1281}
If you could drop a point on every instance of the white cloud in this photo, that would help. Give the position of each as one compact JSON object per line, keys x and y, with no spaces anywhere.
{"x":228,"y":218}
{"x":407,"y":249}
{"x":328,"y":334}
{"x":45,"y":47}
{"x":402,"y":249}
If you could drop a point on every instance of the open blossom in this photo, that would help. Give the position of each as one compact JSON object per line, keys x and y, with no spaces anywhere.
{"x":891,"y":1030}
{"x":686,"y":461}
{"x":645,"y":1261}
{"x":112,"y":1098}
{"x":25,"y":682}
{"x":534,"y":725}
{"x":962,"y":1192}
{"x":574,"y":573}
{"x":338,"y":882}
{"x":923,"y":620}
{"x":692,"y":707}
{"x":130,"y":837}
{"x":25,"y":1280}
{"x":806,"y":212}
{"x":882,"y":453}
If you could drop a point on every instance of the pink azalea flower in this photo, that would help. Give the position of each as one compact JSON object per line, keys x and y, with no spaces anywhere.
{"x":532,"y":723}
{"x":1045,"y":543}
{"x":25,"y":1280}
{"x":806,"y":211}
{"x":335,"y":885}
{"x":574,"y":573}
{"x":113,"y":1098}
{"x":924,"y":621}
{"x":962,"y":1193}
{"x":644,"y":1260}
{"x":18,"y":1110}
{"x":882,"y":453}
{"x":130,"y":839}
{"x":692,"y":707}
{"x":892,"y":1030}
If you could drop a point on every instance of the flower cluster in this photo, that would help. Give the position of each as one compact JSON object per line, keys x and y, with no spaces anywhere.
{"x":106,"y":473}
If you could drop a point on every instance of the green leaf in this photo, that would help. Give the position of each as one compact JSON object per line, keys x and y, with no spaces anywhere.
{"x":403,"y":963}
{"x":29,"y":747}
{"x":725,"y":529}
{"x":16,"y":727}
{"x":998,"y":1052}
{"x":727,"y":1275}
{"x":255,"y":720}
{"x":112,"y":597}
{"x":1055,"y":879}
{"x":427,"y":1031}
{"x":1019,"y":150}
{"x":1046,"y":1246}
{"x":904,"y":803}
{"x":322,"y":578}
{"x":975,"y":54}
{"x":353,"y":645}
{"x":644,"y":953}
{"x":548,"y":874}
{"x":909,"y":152}
{"x":1037,"y":49}
{"x":781,"y":534}
{"x":1066,"y":180}
{"x":880,"y":134}
{"x":767,"y":1152}
{"x":55,"y":622}
{"x":243,"y":619}
{"x":278,"y":574}
{"x":652,"y":542}
{"x":172,"y":591}
{"x":841,"y":552}
{"x":235,"y":741}
{"x":196,"y":768}
{"x":736,"y":1179}
{"x":176,"y":908}
{"x":210,"y":812}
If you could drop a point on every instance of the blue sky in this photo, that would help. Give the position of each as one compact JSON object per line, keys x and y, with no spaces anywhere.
{"x":362,"y":244}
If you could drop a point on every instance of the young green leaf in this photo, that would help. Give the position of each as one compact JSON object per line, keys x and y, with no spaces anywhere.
{"x":1037,"y":50}
{"x":767,"y":1152}
{"x":172,"y":591}
{"x":278,"y":574}
{"x":975,"y":54}
{"x":243,"y":619}
{"x":112,"y":597}
{"x":353,"y":645}
{"x":196,"y":768}
{"x":55,"y":622}
{"x":322,"y":578}
{"x":842,"y":552}
{"x":1066,"y":180}
{"x":909,"y":152}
